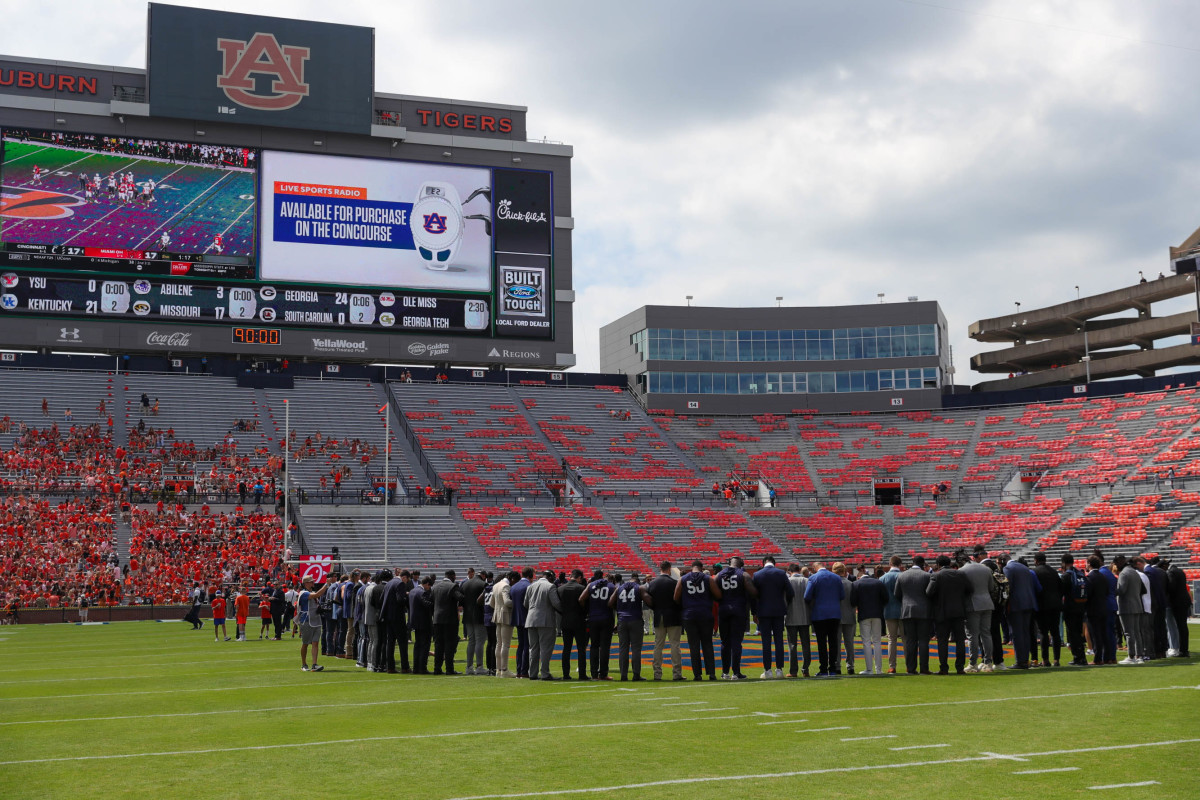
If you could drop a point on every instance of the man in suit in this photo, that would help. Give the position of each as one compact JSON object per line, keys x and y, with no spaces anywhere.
{"x":1050,"y":607}
{"x":573,"y":623}
{"x":1022,"y":604}
{"x":372,"y":601}
{"x":668,"y":622}
{"x":1130,"y":608}
{"x":447,"y":599}
{"x":949,"y":592}
{"x":1098,"y":613}
{"x":797,"y":623}
{"x":775,"y":593}
{"x":979,"y":614}
{"x":824,"y":597}
{"x":891,"y":612}
{"x":502,"y":619}
{"x":518,"y":608}
{"x":1158,"y":607}
{"x":420,"y":620}
{"x":539,"y":627}
{"x":846,"y":629}
{"x":394,"y":621}
{"x":915,"y":615}
{"x":1074,"y":602}
{"x":1180,"y":604}
{"x":870,"y":597}
{"x":472,"y":617}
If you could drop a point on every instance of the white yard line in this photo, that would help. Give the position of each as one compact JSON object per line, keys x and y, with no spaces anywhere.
{"x":918,"y":747}
{"x":455,"y":734}
{"x":793,"y":774}
{"x":1044,"y":771}
{"x":695,"y":703}
{"x":783,"y":722}
{"x":1125,"y":785}
{"x":822,"y":730}
{"x":868,"y":738}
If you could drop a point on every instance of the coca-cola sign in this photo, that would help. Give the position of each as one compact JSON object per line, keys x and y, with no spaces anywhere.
{"x":171,"y":339}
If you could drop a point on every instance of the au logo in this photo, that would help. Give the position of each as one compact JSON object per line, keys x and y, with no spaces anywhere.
{"x":435,"y":223}
{"x":263,"y":55}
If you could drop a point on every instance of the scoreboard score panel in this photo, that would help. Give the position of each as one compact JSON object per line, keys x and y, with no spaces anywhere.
{"x":294,"y":306}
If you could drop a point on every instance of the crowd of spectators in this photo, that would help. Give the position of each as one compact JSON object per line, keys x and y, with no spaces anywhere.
{"x":79,"y":457}
{"x":174,"y":152}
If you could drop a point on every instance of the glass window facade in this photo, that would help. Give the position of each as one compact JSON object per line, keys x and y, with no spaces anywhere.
{"x":831,"y":344}
{"x":875,"y":380}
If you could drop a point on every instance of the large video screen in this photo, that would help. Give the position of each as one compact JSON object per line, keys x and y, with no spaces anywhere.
{"x":368,"y":222}
{"x":116,"y":204}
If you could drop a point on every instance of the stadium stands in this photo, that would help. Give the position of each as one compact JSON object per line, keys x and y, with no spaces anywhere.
{"x":1108,"y":472}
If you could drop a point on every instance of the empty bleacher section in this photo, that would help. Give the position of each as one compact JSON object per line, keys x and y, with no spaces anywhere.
{"x":417,"y":537}
{"x":854,"y":535}
{"x":764,"y":446}
{"x":478,"y":441}
{"x":613,"y":456}
{"x":711,"y":534}
{"x":556,"y":538}
{"x":337,"y":432}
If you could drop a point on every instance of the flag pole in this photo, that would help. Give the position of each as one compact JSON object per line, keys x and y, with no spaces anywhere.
{"x":287,"y":423}
{"x":387,"y":461}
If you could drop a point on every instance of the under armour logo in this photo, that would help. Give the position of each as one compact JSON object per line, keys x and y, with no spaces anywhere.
{"x":68,"y":333}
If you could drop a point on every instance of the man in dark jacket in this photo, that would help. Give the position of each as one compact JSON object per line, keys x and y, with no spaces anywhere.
{"x":472,"y":618}
{"x":949,"y":593}
{"x":447,"y":599}
{"x":1158,"y":607}
{"x":774,"y":592}
{"x":870,"y":597}
{"x":1099,"y":612}
{"x":1022,"y":603}
{"x":1050,"y":607}
{"x":1180,"y":604}
{"x":420,"y":620}
{"x":668,"y":622}
{"x":517,"y":592}
{"x":1074,"y":599}
{"x":279,"y":604}
{"x":573,"y":623}
{"x":393,"y":621}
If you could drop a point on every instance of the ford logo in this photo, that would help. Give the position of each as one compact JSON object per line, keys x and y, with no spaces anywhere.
{"x":521,"y":292}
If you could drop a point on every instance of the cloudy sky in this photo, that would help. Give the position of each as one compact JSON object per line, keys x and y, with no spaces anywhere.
{"x":976,"y":152}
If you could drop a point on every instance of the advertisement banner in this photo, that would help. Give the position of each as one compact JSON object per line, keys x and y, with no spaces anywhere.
{"x":255,"y":70}
{"x":382,"y":223}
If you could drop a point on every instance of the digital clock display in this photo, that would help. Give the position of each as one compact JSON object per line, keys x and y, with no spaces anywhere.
{"x":256,"y":336}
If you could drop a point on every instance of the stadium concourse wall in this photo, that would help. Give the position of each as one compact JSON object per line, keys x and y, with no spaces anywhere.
{"x":1047,"y":394}
{"x":103,"y":614}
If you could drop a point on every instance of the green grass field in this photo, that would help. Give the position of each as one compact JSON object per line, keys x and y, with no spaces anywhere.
{"x":145,"y":709}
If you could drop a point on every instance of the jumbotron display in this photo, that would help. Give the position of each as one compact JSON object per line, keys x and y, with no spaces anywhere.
{"x":72,"y":200}
{"x":156,"y":230}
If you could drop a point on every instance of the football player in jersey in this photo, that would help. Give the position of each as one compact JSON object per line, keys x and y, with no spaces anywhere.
{"x":696,"y":592}
{"x":37,"y":174}
{"x":595,"y":598}
{"x":732,"y":615}
{"x":164,"y":241}
{"x":628,"y":599}
{"x":218,"y":244}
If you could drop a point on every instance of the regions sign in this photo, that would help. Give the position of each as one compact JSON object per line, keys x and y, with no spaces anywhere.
{"x":225,"y":67}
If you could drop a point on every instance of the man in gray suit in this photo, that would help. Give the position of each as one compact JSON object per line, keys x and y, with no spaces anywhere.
{"x":891,"y":612}
{"x":796,"y":621}
{"x":1131,"y":610}
{"x":472,"y":618}
{"x":447,"y":598}
{"x":539,"y":624}
{"x":979,"y":617}
{"x":914,"y":613}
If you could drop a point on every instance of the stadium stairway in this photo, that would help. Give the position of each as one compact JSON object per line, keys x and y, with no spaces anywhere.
{"x":122,"y":534}
{"x":418,"y":537}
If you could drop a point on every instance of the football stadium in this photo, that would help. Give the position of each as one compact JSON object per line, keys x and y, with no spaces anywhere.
{"x":299,"y":487}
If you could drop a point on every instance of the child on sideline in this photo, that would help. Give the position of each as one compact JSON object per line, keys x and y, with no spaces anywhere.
{"x":241,"y":605}
{"x":218,"y":612}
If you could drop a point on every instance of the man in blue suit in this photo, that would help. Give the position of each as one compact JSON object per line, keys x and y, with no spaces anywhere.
{"x":420,"y":622}
{"x":824,"y":595}
{"x":775,"y":592}
{"x":519,"y":611}
{"x":1023,"y":588}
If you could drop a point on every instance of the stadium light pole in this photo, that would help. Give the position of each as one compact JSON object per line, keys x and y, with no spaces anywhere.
{"x":387,"y":462}
{"x":1087,"y":355}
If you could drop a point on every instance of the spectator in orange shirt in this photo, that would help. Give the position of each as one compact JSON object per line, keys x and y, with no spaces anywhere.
{"x":218,"y":612}
{"x":241,"y":605}
{"x":264,"y":611}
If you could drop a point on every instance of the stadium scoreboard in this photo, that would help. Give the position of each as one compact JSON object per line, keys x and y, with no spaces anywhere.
{"x":118,"y":227}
